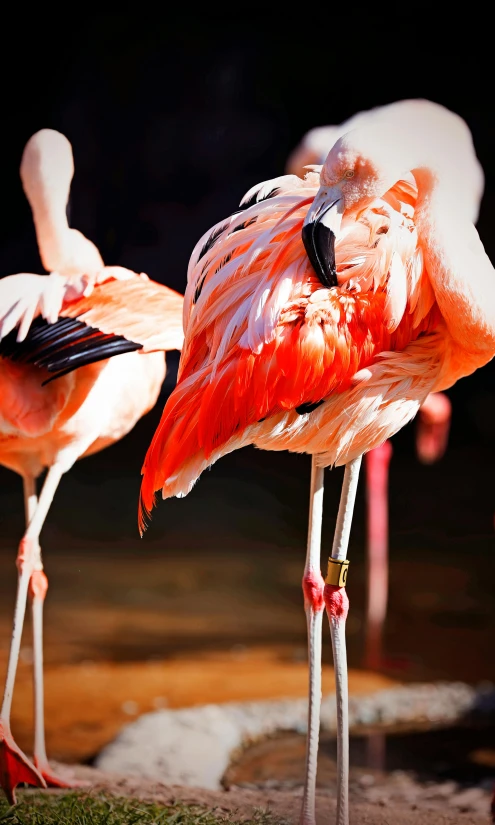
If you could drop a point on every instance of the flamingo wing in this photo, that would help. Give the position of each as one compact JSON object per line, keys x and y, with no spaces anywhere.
{"x":263,"y":336}
{"x":138,"y":309}
{"x":118,"y":314}
{"x":26,"y":296}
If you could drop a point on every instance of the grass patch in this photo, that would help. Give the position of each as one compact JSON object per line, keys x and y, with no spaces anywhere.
{"x":76,"y":808}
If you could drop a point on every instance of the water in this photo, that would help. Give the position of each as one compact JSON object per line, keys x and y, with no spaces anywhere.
{"x":462,"y":754}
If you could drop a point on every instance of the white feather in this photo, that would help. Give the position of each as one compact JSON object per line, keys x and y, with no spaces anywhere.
{"x":396,"y":300}
{"x":262,"y":190}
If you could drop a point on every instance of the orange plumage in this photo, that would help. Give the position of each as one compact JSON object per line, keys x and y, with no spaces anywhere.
{"x":263,"y":339}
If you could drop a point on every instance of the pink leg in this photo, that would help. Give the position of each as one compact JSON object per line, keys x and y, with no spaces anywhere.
{"x":433,"y":427}
{"x":313,"y":606}
{"x":15,"y":767}
{"x":377,"y":463}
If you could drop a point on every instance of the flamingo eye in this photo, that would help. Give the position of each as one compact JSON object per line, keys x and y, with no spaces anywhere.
{"x":349,"y":173}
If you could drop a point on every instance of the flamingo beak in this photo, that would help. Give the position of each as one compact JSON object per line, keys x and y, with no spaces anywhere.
{"x":320,"y":228}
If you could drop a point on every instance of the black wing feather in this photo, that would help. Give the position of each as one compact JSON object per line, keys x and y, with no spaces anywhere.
{"x":63,"y":346}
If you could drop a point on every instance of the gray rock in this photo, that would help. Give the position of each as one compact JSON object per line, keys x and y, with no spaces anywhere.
{"x":194,"y":746}
{"x":190,"y":746}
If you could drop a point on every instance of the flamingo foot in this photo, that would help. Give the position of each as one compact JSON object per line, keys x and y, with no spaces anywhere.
{"x":15,"y":767}
{"x":54,"y":781}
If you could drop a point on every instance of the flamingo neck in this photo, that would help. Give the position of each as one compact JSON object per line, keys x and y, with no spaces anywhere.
{"x":461,"y":273}
{"x":52,"y":234}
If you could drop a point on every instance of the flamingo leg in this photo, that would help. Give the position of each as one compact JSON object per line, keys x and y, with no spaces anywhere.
{"x":377,"y":463}
{"x":337,"y":605}
{"x":38,"y":586}
{"x":15,"y":767}
{"x":377,"y":467}
{"x":313,"y":586}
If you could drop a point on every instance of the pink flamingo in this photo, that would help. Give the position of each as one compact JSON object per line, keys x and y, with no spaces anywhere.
{"x":315,"y":145}
{"x":66,"y":326}
{"x":333,"y":355}
{"x":433,"y":420}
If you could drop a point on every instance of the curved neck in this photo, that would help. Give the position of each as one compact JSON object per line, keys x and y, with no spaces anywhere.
{"x":46,"y":172}
{"x":52,"y":233}
{"x":459,"y":269}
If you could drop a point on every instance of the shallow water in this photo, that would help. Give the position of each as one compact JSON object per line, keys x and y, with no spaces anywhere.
{"x":464,"y":754}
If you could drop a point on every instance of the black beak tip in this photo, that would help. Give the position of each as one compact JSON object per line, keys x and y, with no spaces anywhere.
{"x":319,"y":242}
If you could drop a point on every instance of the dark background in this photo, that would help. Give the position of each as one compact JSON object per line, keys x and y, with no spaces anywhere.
{"x":171,"y":120}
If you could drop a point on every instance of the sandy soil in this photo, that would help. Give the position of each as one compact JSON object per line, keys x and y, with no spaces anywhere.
{"x":421,"y":809}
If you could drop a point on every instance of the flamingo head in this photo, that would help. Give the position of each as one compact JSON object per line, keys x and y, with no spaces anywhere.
{"x":360,"y":167}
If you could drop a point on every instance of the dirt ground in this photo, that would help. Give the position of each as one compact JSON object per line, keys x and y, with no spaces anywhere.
{"x":419,"y":810}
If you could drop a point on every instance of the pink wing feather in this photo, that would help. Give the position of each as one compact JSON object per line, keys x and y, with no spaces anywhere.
{"x":138,"y":309}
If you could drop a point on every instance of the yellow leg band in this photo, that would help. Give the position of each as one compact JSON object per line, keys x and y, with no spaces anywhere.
{"x":337,"y":572}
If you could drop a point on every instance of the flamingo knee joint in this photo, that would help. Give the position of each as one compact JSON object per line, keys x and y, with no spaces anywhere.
{"x":336,"y":602}
{"x":313,"y":586}
{"x":38,"y":585}
{"x":26,"y":555}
